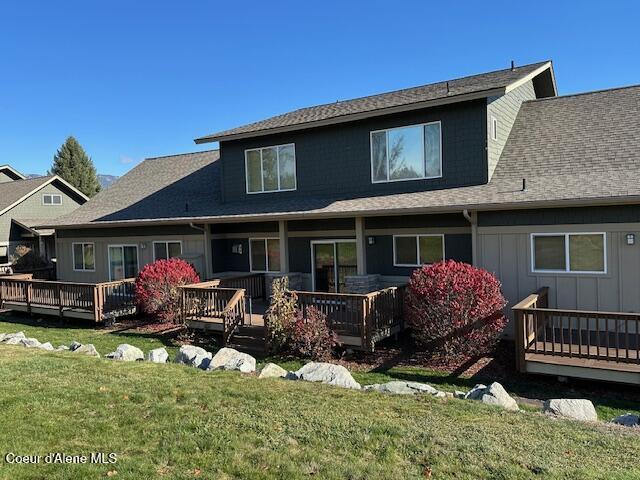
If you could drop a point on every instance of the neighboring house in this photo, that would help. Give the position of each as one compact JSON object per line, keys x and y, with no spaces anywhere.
{"x":27,"y":203}
{"x":492,"y":169}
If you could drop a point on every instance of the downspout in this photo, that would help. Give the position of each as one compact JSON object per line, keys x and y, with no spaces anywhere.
{"x":472,"y":218}
{"x":207,"y":249}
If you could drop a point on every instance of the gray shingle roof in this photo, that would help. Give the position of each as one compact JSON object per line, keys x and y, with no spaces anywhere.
{"x":578,"y":149}
{"x":11,"y":192}
{"x":406,"y":97}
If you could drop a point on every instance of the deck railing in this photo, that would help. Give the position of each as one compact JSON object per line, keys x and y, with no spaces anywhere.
{"x":95,"y":300}
{"x":252,"y":283}
{"x":370,"y":317}
{"x":553,"y":332}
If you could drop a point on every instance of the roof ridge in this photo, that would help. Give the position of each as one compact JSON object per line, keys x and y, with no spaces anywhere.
{"x":580,"y":94}
{"x":181,"y":154}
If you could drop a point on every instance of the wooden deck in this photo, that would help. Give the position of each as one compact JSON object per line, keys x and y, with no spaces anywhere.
{"x":573,"y":343}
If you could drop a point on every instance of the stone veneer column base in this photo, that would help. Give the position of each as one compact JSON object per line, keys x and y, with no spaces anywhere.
{"x":362,"y":283}
{"x":295,"y":281}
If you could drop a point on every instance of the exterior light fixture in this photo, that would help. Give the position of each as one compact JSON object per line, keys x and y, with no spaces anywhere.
{"x":371,"y":240}
{"x":631,"y":238}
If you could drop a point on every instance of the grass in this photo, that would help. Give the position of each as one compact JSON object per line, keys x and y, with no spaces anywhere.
{"x":171,"y":421}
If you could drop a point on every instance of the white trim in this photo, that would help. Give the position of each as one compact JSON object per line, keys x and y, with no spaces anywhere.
{"x":166,"y":242}
{"x":494,"y":128}
{"x":122,"y":245}
{"x":73,"y":256}
{"x":13,"y":170}
{"x":424,"y":158}
{"x":277,"y":148}
{"x":531,"y":76}
{"x":567,"y":260}
{"x":266,"y":253}
{"x":52,"y":195}
{"x":417,"y":237}
{"x":335,"y":257}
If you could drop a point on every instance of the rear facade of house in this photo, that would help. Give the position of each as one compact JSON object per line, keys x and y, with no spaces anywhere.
{"x":494,"y":170}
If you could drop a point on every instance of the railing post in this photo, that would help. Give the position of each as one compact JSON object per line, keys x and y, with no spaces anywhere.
{"x":60,"y":305}
{"x":28,"y":296}
{"x":520,"y":341}
{"x":97,"y":304}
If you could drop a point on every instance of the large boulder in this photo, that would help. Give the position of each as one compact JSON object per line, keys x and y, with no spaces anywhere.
{"x":627,"y":420}
{"x":126,"y":353}
{"x":494,"y":394}
{"x":230,"y":359}
{"x":87,"y":349}
{"x":327,"y":373}
{"x":158,"y":355}
{"x":399,"y":387}
{"x":572,"y":408}
{"x":271,"y":370}
{"x":46,"y":346}
{"x":193,"y":356}
{"x":30,"y":342}
{"x":13,"y":338}
{"x":74,"y":346}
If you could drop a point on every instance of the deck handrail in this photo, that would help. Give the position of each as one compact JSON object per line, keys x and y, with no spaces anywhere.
{"x":233,"y":315}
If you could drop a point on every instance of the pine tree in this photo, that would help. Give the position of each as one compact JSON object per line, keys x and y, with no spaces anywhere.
{"x":73,"y":164}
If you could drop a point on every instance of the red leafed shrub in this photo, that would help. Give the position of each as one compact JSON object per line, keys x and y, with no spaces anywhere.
{"x":156,"y":287}
{"x":455,"y":309}
{"x":311,"y":336}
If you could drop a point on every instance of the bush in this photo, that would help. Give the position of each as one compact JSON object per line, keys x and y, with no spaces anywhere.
{"x":455,"y":309}
{"x":280,"y":316}
{"x":157,"y":287}
{"x":311,"y":336}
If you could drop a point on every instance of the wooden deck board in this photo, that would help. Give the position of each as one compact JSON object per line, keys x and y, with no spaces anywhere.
{"x":548,"y":349}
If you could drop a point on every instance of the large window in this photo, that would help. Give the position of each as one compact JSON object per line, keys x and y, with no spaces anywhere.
{"x":52,"y":199}
{"x":264,"y":254}
{"x":164,"y":250}
{"x":569,"y":252}
{"x":84,"y":257}
{"x":271,"y":169}
{"x":123,"y":261}
{"x":416,"y":250}
{"x":406,"y":153}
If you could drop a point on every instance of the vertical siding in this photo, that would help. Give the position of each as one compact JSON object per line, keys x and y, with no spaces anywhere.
{"x":505,"y":108}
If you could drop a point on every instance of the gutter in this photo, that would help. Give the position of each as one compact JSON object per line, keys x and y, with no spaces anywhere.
{"x":472,"y":218}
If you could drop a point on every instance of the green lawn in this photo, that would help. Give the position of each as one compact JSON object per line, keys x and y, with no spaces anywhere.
{"x":171,"y":421}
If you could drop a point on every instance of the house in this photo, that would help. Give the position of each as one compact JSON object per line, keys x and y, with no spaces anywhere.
{"x":493,"y":169}
{"x":26,"y":203}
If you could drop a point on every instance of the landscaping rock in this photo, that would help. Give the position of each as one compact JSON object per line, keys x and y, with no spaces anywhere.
{"x":459,"y":394}
{"x":271,"y":370}
{"x":46,"y":346}
{"x":494,"y":394}
{"x":193,"y":356}
{"x":158,"y":355}
{"x":74,"y":346}
{"x":13,"y":338}
{"x":575,"y":409}
{"x":62,"y":348}
{"x":230,"y":359}
{"x":327,"y":373}
{"x":627,"y":420}
{"x":126,"y":353}
{"x":87,"y":349}
{"x":2,"y":335}
{"x":30,"y":342}
{"x":398,"y":387}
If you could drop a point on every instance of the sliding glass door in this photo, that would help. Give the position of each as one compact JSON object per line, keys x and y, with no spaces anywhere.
{"x":332,"y":261}
{"x":123,"y":261}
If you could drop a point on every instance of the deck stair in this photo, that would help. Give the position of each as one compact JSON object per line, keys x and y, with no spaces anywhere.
{"x":249,"y":339}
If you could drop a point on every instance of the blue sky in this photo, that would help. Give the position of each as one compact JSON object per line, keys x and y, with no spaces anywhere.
{"x":134,"y":79}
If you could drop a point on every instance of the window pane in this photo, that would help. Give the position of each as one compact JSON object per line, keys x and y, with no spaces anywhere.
{"x":287,"y":167}
{"x":160,"y":251}
{"x":586,"y":253}
{"x":175,"y":249}
{"x":406,"y":251}
{"x":77,"y":256}
{"x":116,"y":268}
{"x":258,"y":256}
{"x":254,"y":173}
{"x":46,"y":199}
{"x":89,"y":257}
{"x":549,"y":253}
{"x":130,"y":262}
{"x":432,"y":149}
{"x":405,"y":153}
{"x":379,"y":156}
{"x":430,"y":249}
{"x":273,"y":249}
{"x":57,"y":200}
{"x":269,"y":169}
{"x":4,"y":254}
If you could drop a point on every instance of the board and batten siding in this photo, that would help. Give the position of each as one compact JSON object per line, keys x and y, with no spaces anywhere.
{"x":505,"y":109}
{"x":192,"y":251}
{"x":506,"y":251}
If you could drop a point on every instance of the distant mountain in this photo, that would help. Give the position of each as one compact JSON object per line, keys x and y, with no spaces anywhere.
{"x":105,"y":180}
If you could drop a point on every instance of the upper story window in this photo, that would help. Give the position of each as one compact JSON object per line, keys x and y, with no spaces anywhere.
{"x":406,"y":153}
{"x":52,"y":199}
{"x":164,"y":250}
{"x":568,"y":252}
{"x":271,"y":169}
